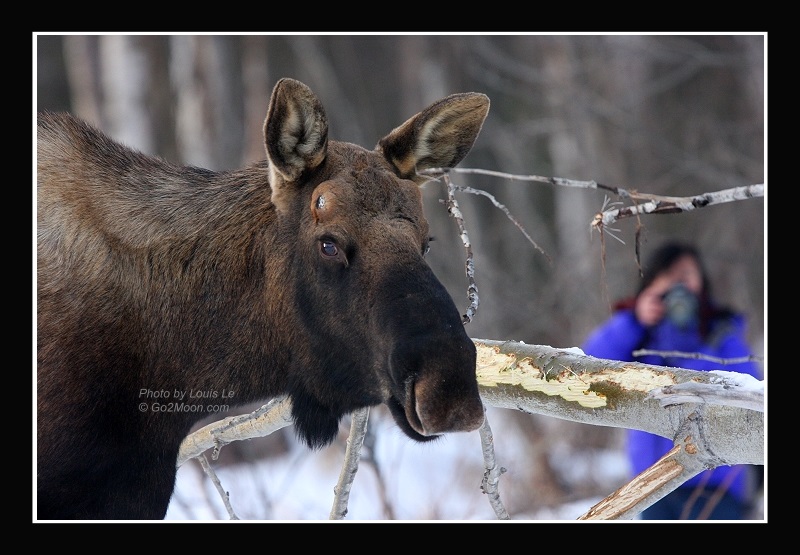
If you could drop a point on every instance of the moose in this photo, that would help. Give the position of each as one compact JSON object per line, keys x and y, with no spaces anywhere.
{"x":301,"y":275}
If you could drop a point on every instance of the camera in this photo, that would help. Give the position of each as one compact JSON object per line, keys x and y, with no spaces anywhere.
{"x":681,"y":305}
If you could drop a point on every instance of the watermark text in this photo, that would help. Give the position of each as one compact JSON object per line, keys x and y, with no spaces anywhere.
{"x":183,"y":401}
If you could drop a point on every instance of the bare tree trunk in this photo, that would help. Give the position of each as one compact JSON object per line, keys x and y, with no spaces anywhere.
{"x":223,"y":74}
{"x":312,"y":54}
{"x":81,"y":58}
{"x":125,"y":78}
{"x":573,"y":155}
{"x":257,"y":88}
{"x":193,"y":128}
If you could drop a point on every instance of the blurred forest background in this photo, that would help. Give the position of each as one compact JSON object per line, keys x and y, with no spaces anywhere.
{"x":676,"y":115}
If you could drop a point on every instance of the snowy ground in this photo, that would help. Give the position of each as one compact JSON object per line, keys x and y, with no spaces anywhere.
{"x":437,"y":481}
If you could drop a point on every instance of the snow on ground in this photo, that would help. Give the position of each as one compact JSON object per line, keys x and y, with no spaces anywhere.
{"x":437,"y":481}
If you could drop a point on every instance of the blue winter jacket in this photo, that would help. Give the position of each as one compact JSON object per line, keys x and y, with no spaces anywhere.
{"x":622,"y":334}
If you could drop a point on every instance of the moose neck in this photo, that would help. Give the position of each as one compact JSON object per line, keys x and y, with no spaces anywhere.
{"x":191,"y":250}
{"x":212,"y":289}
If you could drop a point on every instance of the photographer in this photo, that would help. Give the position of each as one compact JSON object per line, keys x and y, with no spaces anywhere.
{"x":673,"y":312}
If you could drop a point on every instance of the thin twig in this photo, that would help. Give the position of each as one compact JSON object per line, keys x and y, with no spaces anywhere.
{"x":491,"y":477}
{"x":507,"y":213}
{"x":605,"y":230}
{"x":368,"y":457}
{"x":472,"y":288}
{"x":698,"y":356}
{"x":719,"y":493}
{"x":538,"y":178}
{"x":358,"y":429}
{"x":215,"y":480}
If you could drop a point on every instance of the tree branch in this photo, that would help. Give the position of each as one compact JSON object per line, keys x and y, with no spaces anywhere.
{"x":680,"y":204}
{"x":560,"y":181}
{"x":643,"y":203}
{"x":715,"y":418}
{"x":567,"y":384}
{"x":368,"y":457}
{"x":698,"y":356}
{"x":271,"y":417}
{"x":506,"y":212}
{"x":670,"y":205}
{"x":215,"y":480}
{"x":644,"y":490}
{"x":713,"y":393}
{"x":491,"y":477}
{"x":358,"y":429}
{"x":472,"y":289}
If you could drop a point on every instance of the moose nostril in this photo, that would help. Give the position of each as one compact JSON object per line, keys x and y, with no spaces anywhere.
{"x":442,"y":407}
{"x":412,"y":410}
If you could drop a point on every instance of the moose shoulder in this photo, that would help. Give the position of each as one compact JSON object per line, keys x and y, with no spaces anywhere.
{"x":301,"y":275}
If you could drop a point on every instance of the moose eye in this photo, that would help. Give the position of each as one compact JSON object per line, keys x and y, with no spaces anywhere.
{"x":328,"y":248}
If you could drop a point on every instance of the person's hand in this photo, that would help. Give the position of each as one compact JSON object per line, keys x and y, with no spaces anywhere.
{"x":649,"y":307}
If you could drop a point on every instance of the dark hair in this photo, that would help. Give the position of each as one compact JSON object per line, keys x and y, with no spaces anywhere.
{"x":663,"y":258}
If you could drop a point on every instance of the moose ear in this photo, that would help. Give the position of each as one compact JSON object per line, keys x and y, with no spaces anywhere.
{"x":438,"y":137}
{"x":295,"y":133}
